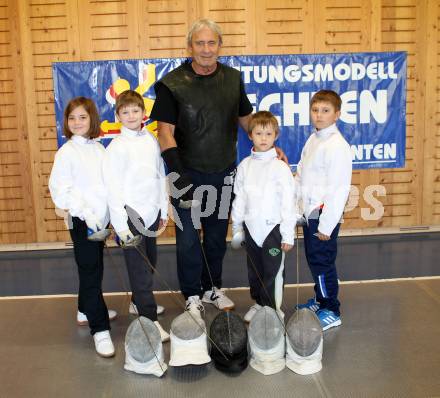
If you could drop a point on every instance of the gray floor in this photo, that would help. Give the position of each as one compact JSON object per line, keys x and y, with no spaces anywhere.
{"x":386,"y":347}
{"x":359,"y":258}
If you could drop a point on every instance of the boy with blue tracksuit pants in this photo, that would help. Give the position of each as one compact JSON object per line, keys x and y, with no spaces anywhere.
{"x":323,"y":181}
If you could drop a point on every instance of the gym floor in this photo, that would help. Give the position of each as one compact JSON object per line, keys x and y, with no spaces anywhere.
{"x":387,"y":345}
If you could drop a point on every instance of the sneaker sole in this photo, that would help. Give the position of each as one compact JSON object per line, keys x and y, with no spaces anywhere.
{"x":332,"y":325}
{"x":85,"y":323}
{"x":308,"y":308}
{"x":214,"y":303}
{"x":135,"y":313}
{"x":106,"y":355}
{"x":297,"y":307}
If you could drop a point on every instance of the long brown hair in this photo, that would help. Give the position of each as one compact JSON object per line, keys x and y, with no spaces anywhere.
{"x":90,"y":107}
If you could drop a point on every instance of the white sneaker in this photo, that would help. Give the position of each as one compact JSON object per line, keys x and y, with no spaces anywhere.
{"x":218,"y":298}
{"x":81,"y":318}
{"x":160,"y":309}
{"x":103,"y":344}
{"x":132,"y":309}
{"x":194,"y":305}
{"x":164,"y":336}
{"x":252,"y":311}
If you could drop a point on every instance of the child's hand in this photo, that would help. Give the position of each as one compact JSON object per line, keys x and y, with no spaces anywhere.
{"x":125,"y":236}
{"x":162,"y":223}
{"x":93,"y":223}
{"x":285,"y":247}
{"x":321,"y":236}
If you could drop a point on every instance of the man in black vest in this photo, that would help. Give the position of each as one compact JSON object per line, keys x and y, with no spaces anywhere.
{"x":198,"y":108}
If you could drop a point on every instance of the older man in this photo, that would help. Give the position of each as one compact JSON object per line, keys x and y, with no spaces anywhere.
{"x":198,"y":108}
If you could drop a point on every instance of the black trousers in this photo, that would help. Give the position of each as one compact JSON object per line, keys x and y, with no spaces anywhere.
{"x":192,"y":269}
{"x":89,"y":259}
{"x":266,"y":268}
{"x":140,"y":273}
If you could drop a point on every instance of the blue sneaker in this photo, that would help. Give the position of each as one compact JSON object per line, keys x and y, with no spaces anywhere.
{"x":328,"y":319}
{"x":311,"y":305}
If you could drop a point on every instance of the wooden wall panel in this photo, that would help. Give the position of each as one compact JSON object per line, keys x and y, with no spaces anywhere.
{"x":17,"y":217}
{"x":49,"y":32}
{"x":431,"y":156}
{"x":397,"y":32}
{"x":233,"y":16}
{"x":35,"y":33}
{"x":164,"y":27}
{"x":109,"y":29}
{"x":282,"y":27}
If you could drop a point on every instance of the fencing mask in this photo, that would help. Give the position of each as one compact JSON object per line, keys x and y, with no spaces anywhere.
{"x":143,"y":348}
{"x":267,"y":342}
{"x":228,"y":336}
{"x":188,"y":341}
{"x":304,"y":342}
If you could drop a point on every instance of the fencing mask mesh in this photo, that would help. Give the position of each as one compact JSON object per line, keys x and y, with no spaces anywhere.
{"x":304,"y":342}
{"x":143,"y":348}
{"x":188,"y":341}
{"x":267,"y":342}
{"x":229,"y":342}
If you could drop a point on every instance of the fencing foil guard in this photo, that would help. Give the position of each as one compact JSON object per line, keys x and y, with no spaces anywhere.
{"x":229,"y":342}
{"x":238,"y":240}
{"x":143,"y":348}
{"x":304,"y":342}
{"x":98,"y":236}
{"x":267,"y":342}
{"x":188,"y":341}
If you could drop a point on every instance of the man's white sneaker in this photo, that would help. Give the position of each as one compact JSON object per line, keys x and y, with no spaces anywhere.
{"x":103,"y":344}
{"x":160,"y":309}
{"x":82,"y":320}
{"x":194,"y":305}
{"x":132,"y":309}
{"x":218,"y":298}
{"x":252,"y":311}
{"x":164,"y":336}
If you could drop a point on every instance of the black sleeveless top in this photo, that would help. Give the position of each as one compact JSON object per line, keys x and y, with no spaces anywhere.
{"x":207,"y":121}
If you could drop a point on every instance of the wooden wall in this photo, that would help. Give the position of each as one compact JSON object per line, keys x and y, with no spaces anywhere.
{"x":35,"y":33}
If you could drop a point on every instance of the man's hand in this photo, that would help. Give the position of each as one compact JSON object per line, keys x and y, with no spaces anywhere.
{"x":281,"y":155}
{"x":162,"y":223}
{"x":321,"y":236}
{"x":285,"y":247}
{"x":181,"y":184}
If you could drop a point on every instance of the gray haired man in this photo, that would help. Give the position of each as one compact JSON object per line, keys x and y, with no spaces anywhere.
{"x":199,"y":106}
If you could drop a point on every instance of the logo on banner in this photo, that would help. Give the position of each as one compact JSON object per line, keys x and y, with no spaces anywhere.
{"x":111,"y":128}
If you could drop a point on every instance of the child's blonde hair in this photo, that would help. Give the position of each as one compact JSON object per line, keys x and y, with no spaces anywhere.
{"x":263,"y":118}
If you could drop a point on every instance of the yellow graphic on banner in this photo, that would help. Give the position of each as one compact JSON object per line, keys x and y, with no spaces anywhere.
{"x":119,"y":86}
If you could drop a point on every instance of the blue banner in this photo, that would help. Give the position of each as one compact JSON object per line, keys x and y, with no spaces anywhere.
{"x":372,"y":87}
